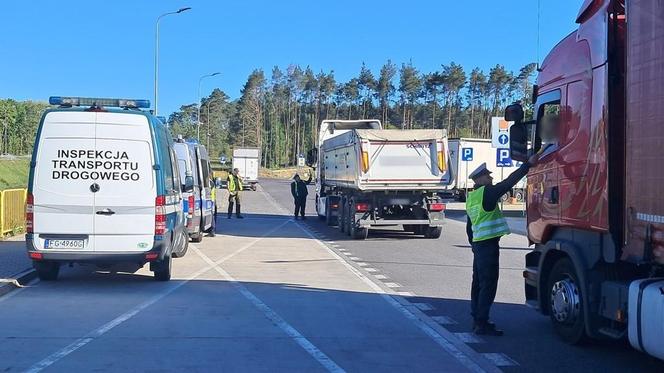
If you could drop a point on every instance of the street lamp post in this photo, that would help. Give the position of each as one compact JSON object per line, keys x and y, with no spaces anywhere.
{"x":156,"y":56}
{"x":198,"y":116}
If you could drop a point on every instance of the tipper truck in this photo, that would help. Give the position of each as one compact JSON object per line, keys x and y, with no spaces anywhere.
{"x":369,"y":177}
{"x":595,"y":209}
{"x":482,"y":153}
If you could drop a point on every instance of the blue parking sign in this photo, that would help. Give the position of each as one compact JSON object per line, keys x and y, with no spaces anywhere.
{"x":467,"y":154}
{"x":503,"y":158}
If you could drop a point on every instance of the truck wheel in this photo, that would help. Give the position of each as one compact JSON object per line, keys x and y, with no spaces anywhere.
{"x":566,"y":302}
{"x":47,"y":271}
{"x":356,"y":232}
{"x":520,"y":196}
{"x":433,"y":232}
{"x":343,"y":216}
{"x":162,"y":270}
{"x":461,"y":197}
{"x":253,"y":187}
{"x":329,"y":219}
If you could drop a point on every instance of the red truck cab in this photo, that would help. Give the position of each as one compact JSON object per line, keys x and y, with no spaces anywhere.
{"x":594,"y":210}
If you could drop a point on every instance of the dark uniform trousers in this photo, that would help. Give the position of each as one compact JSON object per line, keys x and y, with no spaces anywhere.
{"x":485,"y":277}
{"x":300,"y":205}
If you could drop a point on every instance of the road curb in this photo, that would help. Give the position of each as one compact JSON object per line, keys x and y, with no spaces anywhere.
{"x":17,"y":281}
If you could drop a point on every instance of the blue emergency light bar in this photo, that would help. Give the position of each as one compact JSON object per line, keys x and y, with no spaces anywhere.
{"x":95,"y":101}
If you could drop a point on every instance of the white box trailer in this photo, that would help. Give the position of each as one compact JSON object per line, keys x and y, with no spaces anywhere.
{"x":247,"y":160}
{"x":482,"y":153}
{"x":368,"y":176}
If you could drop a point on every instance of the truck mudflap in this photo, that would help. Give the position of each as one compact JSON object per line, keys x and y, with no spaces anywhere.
{"x":646,"y":312}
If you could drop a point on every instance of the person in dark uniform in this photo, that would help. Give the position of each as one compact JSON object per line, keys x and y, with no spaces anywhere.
{"x":299,"y":191}
{"x":485,"y":225}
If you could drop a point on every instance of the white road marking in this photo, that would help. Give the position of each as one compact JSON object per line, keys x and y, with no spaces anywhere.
{"x":423,"y":306}
{"x":274,"y":317}
{"x":444,"y":320}
{"x":381,"y":277}
{"x":362,"y":264}
{"x":405,"y":293}
{"x":354,"y":258}
{"x":500,"y":360}
{"x":370,"y":270}
{"x":99,"y":332}
{"x":443,"y":342}
{"x":392,"y":285}
{"x":469,"y":338}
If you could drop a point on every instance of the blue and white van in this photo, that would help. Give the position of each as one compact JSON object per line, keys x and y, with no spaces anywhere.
{"x":104,"y":188}
{"x":185,"y":152}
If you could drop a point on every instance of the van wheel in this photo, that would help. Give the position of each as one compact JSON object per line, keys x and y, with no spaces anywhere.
{"x":433,"y":232}
{"x":163,"y":269}
{"x":47,"y":271}
{"x":566,"y":302}
{"x":519,"y":195}
{"x":185,"y":247}
{"x":253,"y":187}
{"x":198,"y":237}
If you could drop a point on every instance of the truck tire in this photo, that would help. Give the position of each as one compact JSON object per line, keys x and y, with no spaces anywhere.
{"x":356,"y":232}
{"x":329,"y":219}
{"x":433,"y":232}
{"x":162,"y":270}
{"x":343,"y":215}
{"x":47,"y":271}
{"x":253,"y":187}
{"x":566,"y":302}
{"x":520,"y":195}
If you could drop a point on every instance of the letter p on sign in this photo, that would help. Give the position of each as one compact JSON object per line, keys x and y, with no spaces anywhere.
{"x":503,"y":158}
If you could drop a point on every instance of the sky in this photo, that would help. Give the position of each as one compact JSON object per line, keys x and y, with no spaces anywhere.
{"x":99,"y":48}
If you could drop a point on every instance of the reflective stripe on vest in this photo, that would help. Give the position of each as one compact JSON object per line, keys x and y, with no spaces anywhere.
{"x":485,"y":224}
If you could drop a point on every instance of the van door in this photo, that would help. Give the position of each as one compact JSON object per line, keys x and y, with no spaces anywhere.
{"x":207,"y":204}
{"x":63,"y":201}
{"x":125,"y":200}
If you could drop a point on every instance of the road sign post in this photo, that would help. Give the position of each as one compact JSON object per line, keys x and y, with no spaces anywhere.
{"x":466,"y":156}
{"x":500,"y":132}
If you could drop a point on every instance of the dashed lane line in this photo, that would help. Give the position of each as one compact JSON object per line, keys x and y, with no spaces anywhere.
{"x":99,"y":332}
{"x":274,"y":317}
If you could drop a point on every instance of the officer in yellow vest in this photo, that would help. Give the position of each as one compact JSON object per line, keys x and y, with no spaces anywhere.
{"x":234,"y":188}
{"x":485,"y":225}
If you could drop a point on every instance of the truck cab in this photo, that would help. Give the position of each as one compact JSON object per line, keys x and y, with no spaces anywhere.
{"x":595,"y":213}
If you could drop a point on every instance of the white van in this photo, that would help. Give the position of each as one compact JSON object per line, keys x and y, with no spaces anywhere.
{"x":247,"y":161}
{"x":104,"y":188}
{"x":197,"y":204}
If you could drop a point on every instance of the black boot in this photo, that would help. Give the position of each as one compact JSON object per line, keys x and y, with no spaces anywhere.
{"x":237,"y":212}
{"x":487,"y":328}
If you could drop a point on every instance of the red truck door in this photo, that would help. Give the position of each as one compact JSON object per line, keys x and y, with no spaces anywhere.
{"x":543,"y":180}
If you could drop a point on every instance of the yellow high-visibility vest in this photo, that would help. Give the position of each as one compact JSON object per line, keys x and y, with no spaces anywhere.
{"x":485,"y":224}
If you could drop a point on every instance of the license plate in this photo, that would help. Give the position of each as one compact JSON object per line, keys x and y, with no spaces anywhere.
{"x":64,"y":244}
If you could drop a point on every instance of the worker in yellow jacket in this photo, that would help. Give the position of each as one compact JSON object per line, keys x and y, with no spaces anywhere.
{"x":234,"y":184}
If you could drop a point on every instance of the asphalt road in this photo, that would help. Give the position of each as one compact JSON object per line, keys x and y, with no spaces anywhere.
{"x":263,"y":296}
{"x":436,"y":274}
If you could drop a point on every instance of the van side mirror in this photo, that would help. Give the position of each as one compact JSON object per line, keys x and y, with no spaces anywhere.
{"x":519,"y":142}
{"x":514,"y":113}
{"x":188,"y":184}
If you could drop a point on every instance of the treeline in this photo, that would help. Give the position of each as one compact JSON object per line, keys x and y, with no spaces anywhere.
{"x":18,"y":125}
{"x":280,"y":115}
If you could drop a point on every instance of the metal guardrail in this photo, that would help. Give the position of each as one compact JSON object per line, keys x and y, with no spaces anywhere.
{"x":12,"y":210}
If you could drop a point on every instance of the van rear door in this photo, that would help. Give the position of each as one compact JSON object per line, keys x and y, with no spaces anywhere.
{"x":63,"y":201}
{"x":125,"y":202}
